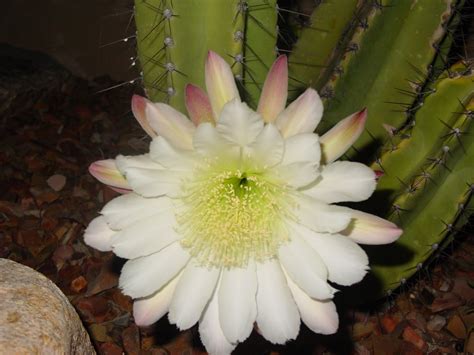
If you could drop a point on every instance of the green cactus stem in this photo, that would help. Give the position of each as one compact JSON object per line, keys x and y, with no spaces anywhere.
{"x":383,"y":63}
{"x":319,"y":46}
{"x":428,"y":178}
{"x":174,"y":37}
{"x":261,"y":34}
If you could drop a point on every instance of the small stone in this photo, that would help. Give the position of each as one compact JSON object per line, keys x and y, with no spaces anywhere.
{"x":445,"y":286}
{"x":409,"y":348}
{"x":80,"y":192}
{"x":389,"y":323}
{"x":404,"y":304}
{"x":46,"y":197}
{"x":410,"y":335}
{"x":467,"y":316}
{"x":110,"y":349}
{"x":93,"y":309}
{"x":48,"y":223}
{"x":456,"y":327}
{"x":469,"y":344}
{"x":62,"y":254}
{"x":445,"y":302}
{"x":462,"y":288}
{"x":442,"y":350}
{"x":56,"y":182}
{"x":99,"y":333}
{"x":387,"y":345}
{"x":416,"y":320}
{"x":362,"y":330}
{"x":124,"y":302}
{"x":361,"y":349}
{"x":436,"y":323}
{"x":131,"y":340}
{"x":101,"y":279}
{"x":79,"y":284}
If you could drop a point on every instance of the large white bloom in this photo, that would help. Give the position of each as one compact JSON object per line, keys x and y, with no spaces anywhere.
{"x":231,"y":220}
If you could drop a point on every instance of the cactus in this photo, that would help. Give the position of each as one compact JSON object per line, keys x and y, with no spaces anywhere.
{"x":389,"y":56}
{"x":427,"y":196}
{"x":394,"y":44}
{"x":173,"y":39}
{"x":332,"y":27}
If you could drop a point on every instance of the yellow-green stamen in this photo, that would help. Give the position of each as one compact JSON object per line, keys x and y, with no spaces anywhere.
{"x":231,"y":217}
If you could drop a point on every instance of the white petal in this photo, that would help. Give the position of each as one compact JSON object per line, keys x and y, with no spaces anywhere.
{"x":366,"y":228}
{"x":237,"y":305}
{"x":171,"y":124}
{"x":143,"y":276}
{"x":127,"y":209}
{"x":268,"y":148}
{"x":299,"y":174}
{"x":154,"y":182}
{"x":98,"y":234}
{"x":169,"y":156}
{"x":206,"y":139}
{"x":238,"y":124}
{"x":302,"y":115}
{"x":321,"y":217}
{"x":147,"y":236}
{"x":277,"y":315}
{"x":343,"y":181}
{"x":302,"y":147}
{"x":138,"y":161}
{"x":147,"y":311}
{"x":346,"y":262}
{"x":210,"y":330}
{"x":305,"y":267}
{"x":192,"y":294}
{"x":319,"y":316}
{"x":209,"y":142}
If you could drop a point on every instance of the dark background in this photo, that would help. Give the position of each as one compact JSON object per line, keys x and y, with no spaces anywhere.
{"x":74,"y":32}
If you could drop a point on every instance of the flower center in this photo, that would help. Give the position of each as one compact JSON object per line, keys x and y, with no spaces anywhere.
{"x":232,"y":217}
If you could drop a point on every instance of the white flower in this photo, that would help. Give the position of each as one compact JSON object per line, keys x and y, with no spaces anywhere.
{"x":231,"y":220}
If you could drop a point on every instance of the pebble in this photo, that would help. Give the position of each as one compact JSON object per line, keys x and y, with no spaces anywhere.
{"x":436,"y":323}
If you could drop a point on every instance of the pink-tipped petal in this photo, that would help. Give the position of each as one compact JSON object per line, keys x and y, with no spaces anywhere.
{"x":275,"y":90}
{"x":107,"y":173}
{"x":340,"y":138}
{"x":220,"y":83}
{"x":120,"y":191}
{"x":378,"y":174}
{"x":366,"y":228}
{"x":139,"y":111}
{"x":170,"y":124}
{"x":302,"y":115}
{"x":198,"y":105}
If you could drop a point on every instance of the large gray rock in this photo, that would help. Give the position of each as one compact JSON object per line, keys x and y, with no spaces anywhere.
{"x":35,"y":316}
